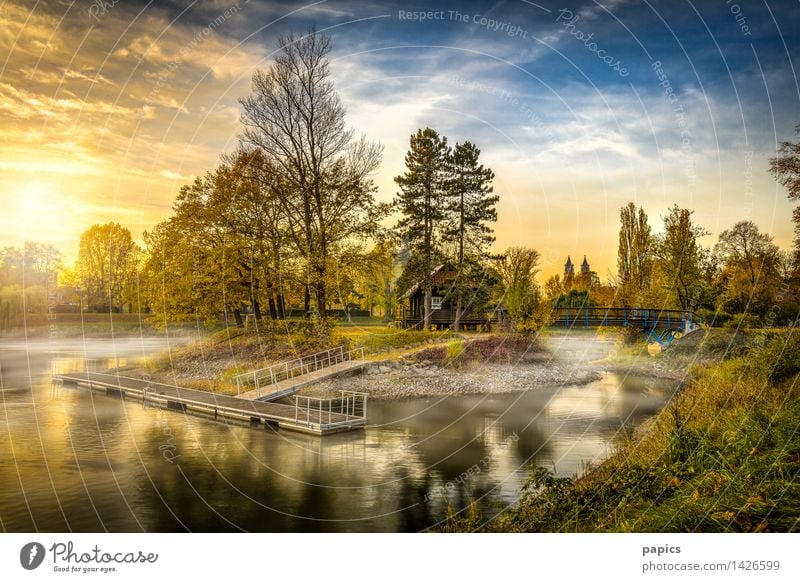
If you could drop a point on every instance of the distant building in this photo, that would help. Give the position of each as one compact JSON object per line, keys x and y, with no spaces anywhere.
{"x":585,"y":270}
{"x":569,"y":268}
{"x":584,"y":280}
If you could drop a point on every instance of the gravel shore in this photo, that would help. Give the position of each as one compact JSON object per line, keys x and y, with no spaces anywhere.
{"x":396,"y":380}
{"x":563,"y":359}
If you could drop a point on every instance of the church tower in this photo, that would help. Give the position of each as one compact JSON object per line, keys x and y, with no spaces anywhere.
{"x":585,"y":270}
{"x":569,"y":268}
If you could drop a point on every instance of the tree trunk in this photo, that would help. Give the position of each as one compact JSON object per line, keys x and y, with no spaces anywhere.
{"x":256,"y":309}
{"x":321,"y":299}
{"x":457,"y":322}
{"x":273,"y":312}
{"x":387,"y":308}
{"x":281,"y":306}
{"x":238,"y":317}
{"x":426,"y":309}
{"x":307,"y":302}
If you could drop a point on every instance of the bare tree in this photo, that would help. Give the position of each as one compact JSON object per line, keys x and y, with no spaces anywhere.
{"x":321,"y":171}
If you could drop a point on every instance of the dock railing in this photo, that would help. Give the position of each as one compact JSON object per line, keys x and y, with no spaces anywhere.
{"x":298,"y":367}
{"x":353,"y":405}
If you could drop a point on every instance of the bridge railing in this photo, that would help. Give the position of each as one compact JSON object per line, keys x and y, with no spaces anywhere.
{"x":623,"y":316}
{"x":352,"y":405}
{"x":296,"y":367}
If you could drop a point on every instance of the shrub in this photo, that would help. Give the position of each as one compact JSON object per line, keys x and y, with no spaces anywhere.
{"x":780,"y":357}
{"x":742,"y":321}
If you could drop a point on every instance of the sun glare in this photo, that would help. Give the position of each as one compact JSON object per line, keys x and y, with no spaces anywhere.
{"x":36,"y":199}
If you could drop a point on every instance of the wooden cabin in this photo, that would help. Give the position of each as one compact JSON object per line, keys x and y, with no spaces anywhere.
{"x":443,"y":305}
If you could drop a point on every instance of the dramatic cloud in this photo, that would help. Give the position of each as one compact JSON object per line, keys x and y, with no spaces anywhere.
{"x":578,"y":109}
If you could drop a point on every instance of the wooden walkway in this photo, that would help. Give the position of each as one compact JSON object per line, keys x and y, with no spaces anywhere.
{"x":291,"y":385}
{"x":284,"y":378}
{"x":310,"y":415}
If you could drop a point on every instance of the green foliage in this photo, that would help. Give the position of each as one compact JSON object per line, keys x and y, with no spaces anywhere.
{"x":779,"y":359}
{"x":517,"y":269}
{"x":374,"y":341}
{"x":470,"y":204}
{"x":108,"y":267}
{"x":742,"y":321}
{"x":680,"y":256}
{"x":574,"y":298}
{"x":634,"y":255}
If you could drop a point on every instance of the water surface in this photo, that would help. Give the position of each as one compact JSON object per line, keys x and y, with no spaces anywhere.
{"x":74,"y":461}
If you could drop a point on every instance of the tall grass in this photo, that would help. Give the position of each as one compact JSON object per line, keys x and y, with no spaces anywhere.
{"x":723,"y":456}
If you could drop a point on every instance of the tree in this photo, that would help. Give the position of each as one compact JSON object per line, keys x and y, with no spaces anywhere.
{"x":191,"y":269}
{"x":517,"y":269}
{"x":470,"y":208}
{"x":108,"y":266}
{"x":785,"y":167}
{"x":253,"y":214}
{"x":553,"y":287}
{"x":750,"y":267}
{"x":422,"y":201}
{"x":634,"y":255}
{"x":379,"y":270}
{"x":679,"y":257}
{"x":319,"y":172}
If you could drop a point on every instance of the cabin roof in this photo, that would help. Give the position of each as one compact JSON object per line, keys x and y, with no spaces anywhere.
{"x":415,"y":287}
{"x":439,"y":278}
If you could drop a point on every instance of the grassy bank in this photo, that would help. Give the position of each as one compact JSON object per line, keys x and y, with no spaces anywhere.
{"x":92,"y":325}
{"x":723,"y":456}
{"x":212,"y":362}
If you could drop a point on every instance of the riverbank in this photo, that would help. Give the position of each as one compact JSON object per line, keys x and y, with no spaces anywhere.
{"x":723,"y":456}
{"x":489,"y":364}
{"x":94,"y":326}
{"x":410,"y":364}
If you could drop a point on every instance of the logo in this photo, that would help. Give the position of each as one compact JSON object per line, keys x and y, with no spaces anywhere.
{"x":31,"y":555}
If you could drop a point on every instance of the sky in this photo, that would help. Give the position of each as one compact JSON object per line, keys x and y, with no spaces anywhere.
{"x":108,"y":107}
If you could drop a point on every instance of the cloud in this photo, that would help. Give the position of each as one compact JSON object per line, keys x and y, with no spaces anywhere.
{"x":122,"y":111}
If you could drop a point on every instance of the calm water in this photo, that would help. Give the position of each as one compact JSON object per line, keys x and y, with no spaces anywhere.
{"x":72,"y":461}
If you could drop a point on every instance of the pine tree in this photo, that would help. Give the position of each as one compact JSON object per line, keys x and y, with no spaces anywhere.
{"x":470,"y":207}
{"x":421,"y":200}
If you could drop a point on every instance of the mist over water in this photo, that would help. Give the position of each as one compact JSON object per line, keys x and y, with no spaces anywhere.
{"x":75,"y":461}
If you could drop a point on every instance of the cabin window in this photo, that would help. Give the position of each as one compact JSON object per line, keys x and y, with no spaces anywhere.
{"x":436,"y":303}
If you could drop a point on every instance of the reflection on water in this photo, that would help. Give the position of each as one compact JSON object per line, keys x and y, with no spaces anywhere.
{"x":73,"y":461}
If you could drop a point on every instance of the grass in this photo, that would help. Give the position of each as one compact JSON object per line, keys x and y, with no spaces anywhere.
{"x":94,"y":325}
{"x":723,"y":456}
{"x":213,"y":362}
{"x":384,"y":342}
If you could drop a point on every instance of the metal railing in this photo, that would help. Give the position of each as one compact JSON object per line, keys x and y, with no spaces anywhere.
{"x":297,"y":367}
{"x":623,"y":316}
{"x":349,"y":405}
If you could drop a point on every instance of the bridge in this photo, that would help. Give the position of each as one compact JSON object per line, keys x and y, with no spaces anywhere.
{"x":660,"y":325}
{"x":285,"y":378}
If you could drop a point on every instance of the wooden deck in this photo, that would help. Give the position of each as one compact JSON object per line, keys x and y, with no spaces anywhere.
{"x":309,"y":415}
